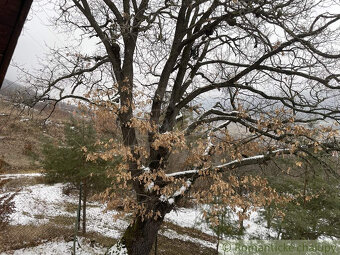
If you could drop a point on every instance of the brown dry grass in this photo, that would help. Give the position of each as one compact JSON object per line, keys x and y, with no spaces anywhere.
{"x":100,"y":239}
{"x":168,"y":246}
{"x":19,"y":183}
{"x":17,"y":237}
{"x":189,"y":232}
{"x":21,"y":136}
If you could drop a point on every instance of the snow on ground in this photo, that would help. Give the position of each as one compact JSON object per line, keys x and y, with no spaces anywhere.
{"x":38,"y":204}
{"x":59,"y":248}
{"x":16,"y":176}
{"x":105,"y":223}
{"x":254,"y":228}
{"x":35,"y":201}
{"x":189,"y":218}
{"x":118,"y":249}
{"x":193,"y":218}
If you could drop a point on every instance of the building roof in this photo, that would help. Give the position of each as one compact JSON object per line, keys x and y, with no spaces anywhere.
{"x":13,"y":14}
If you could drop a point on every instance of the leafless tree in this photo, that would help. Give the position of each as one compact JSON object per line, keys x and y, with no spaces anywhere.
{"x":269,"y":66}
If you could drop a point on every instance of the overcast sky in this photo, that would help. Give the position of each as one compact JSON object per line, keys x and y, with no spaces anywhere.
{"x":36,"y":35}
{"x":33,"y":39}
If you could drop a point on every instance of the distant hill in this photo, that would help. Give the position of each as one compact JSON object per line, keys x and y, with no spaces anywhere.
{"x":16,"y":92}
{"x":10,"y":88}
{"x":20,"y":94}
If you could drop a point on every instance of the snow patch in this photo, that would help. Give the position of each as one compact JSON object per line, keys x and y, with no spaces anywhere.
{"x":37,"y":204}
{"x":60,"y":247}
{"x":151,"y":186}
{"x":101,"y":221}
{"x":179,"y":192}
{"x":189,"y":218}
{"x":16,"y":176}
{"x":34,"y":201}
{"x":118,"y":249}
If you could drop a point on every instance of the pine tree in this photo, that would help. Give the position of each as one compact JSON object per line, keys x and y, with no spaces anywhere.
{"x":313,"y":214}
{"x":67,"y":161}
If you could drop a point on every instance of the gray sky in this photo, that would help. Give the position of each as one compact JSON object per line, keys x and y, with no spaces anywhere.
{"x":36,"y":35}
{"x":33,"y":39}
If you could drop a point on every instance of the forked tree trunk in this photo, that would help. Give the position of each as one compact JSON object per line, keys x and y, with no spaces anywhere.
{"x":140,"y":236}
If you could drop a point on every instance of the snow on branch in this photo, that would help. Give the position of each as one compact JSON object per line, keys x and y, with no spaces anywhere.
{"x":232,"y":164}
{"x":146,"y":169}
{"x":209,"y":146}
{"x":179,"y":116}
{"x":186,"y":173}
{"x":177,"y":194}
{"x":224,"y":124}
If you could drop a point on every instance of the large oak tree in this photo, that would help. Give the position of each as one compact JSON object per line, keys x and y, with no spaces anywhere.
{"x":271,"y":67}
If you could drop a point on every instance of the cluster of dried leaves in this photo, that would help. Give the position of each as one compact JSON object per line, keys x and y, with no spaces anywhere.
{"x":209,"y":155}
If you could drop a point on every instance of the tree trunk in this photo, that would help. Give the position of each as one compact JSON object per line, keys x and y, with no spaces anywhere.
{"x":84,"y":205}
{"x":79,"y":207}
{"x":141,"y":235}
{"x":156,"y":244}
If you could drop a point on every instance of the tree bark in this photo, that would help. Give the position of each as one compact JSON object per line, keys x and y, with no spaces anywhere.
{"x":156,"y":245}
{"x":140,"y":236}
{"x":79,"y":207}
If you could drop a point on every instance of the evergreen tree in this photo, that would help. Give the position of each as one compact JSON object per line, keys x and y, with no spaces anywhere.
{"x":66,"y":161}
{"x":315,"y":212}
